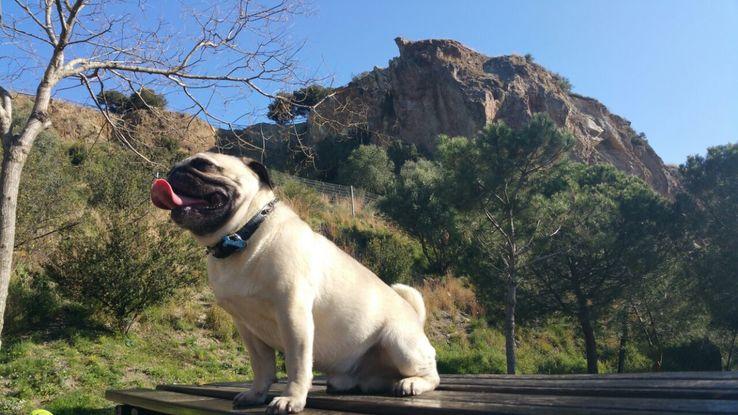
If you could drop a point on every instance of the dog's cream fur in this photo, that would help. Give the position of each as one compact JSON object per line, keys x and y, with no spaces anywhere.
{"x":294,"y":291}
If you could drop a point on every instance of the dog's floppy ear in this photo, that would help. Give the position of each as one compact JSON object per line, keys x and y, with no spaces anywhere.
{"x":260,"y":171}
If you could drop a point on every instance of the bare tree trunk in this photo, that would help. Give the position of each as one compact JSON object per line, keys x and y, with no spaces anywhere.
{"x":510,"y":325}
{"x":623,"y":344}
{"x":15,"y":154}
{"x":590,"y":343}
{"x":730,"y":351}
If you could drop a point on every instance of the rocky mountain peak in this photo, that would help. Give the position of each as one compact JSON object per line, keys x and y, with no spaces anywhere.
{"x":440,"y":86}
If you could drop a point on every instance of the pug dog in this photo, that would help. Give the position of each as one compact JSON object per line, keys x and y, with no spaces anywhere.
{"x":291,"y":289}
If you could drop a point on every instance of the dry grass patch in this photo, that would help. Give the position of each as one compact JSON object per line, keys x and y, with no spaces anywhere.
{"x":220,"y":323}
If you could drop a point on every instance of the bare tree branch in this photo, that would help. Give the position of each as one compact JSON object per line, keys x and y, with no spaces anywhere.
{"x":237,"y":48}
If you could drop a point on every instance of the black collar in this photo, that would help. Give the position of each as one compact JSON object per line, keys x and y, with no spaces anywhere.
{"x":236,"y":242}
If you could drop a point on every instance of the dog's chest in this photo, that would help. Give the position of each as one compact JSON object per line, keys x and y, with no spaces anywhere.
{"x":242,"y":294}
{"x":233,"y":277}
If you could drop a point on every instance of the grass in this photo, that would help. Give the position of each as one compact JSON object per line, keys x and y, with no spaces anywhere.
{"x":190,"y":340}
{"x":67,"y":373}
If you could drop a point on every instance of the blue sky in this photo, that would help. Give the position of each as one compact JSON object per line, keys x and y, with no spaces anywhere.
{"x":670,"y":67}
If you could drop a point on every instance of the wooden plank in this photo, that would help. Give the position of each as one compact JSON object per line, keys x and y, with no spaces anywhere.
{"x":171,"y":402}
{"x":476,"y":403}
{"x":656,"y":388}
{"x":665,"y":388}
{"x":174,"y":403}
{"x":644,"y":375}
{"x":678,"y":383}
{"x":706,"y":394}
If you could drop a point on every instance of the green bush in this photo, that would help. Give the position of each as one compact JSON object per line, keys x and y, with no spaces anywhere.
{"x":330,"y":153}
{"x":32,"y":302}
{"x":146,"y":98}
{"x":696,"y":355}
{"x":369,"y":168}
{"x":553,"y":347}
{"x":77,"y":153}
{"x":50,"y":196}
{"x":120,"y":271}
{"x":400,"y":152}
{"x":116,"y":180}
{"x":118,"y":103}
{"x":388,"y":254}
{"x":114,"y":101}
{"x":287,"y":106}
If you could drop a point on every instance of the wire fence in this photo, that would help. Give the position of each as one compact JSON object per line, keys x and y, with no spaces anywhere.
{"x":334,"y":191}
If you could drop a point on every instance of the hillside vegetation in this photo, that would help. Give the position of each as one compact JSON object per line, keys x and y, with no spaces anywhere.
{"x":62,"y":356}
{"x":107,"y":293}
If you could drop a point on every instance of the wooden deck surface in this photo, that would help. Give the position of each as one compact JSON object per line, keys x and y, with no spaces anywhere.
{"x":644,"y":393}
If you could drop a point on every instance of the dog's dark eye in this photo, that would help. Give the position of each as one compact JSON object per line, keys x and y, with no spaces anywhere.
{"x":201,"y":164}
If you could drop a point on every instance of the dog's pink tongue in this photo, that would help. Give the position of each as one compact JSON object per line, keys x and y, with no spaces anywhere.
{"x":163,"y":196}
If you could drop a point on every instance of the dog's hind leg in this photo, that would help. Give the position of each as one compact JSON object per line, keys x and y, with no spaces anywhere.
{"x":265,"y":370}
{"x":342,"y":383}
{"x":415,"y":360}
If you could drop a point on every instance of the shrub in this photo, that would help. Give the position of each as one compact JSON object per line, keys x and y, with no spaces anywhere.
{"x":452,"y":296}
{"x":552,"y":347}
{"x":118,"y":103}
{"x":50,"y":196}
{"x":77,"y":154}
{"x":696,"y":355}
{"x":146,"y":98}
{"x":116,"y":179}
{"x":331,"y":152}
{"x":119,"y":272}
{"x":167,"y":150}
{"x":388,"y":254}
{"x":639,"y":139}
{"x":387,"y":257}
{"x":368,"y":167}
{"x":31,"y":301}
{"x":400,"y":153}
{"x":220,"y":323}
{"x":482,"y":351}
{"x":563,"y":82}
{"x":114,"y":101}
{"x":305,"y":201}
{"x":288,"y":106}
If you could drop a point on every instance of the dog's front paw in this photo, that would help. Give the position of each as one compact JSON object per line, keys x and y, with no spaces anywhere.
{"x":249,"y":398}
{"x":286,"y":405}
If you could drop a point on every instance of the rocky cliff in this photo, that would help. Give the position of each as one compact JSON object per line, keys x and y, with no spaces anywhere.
{"x":442,"y":87}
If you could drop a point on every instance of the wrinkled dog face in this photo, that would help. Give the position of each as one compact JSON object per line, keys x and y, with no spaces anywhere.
{"x":204,"y":191}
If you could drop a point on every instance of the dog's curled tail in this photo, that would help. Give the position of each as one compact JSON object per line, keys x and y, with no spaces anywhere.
{"x":412,"y":296}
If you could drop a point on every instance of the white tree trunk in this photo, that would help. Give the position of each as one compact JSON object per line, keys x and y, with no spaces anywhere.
{"x":15,"y":154}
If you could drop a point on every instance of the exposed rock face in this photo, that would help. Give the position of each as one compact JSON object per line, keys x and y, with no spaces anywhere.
{"x":442,"y":87}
